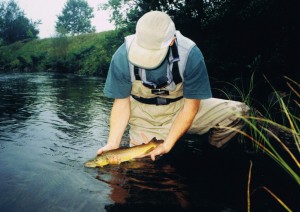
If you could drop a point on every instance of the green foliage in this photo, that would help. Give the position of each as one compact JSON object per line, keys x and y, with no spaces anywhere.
{"x":185,"y":13}
{"x":75,"y":18}
{"x":84,"y":54}
{"x":14,"y":26}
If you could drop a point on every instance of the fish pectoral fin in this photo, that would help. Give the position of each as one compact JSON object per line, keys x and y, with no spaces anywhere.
{"x":115,"y":163}
{"x":114,"y":160}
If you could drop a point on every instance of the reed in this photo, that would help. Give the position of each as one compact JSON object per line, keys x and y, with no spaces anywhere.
{"x":263,"y":132}
{"x":264,"y":129}
{"x":265,"y":137}
{"x":248,"y":187}
{"x":264,"y":188}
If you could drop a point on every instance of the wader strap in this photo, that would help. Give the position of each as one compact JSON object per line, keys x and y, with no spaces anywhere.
{"x":136,"y":73}
{"x":155,"y":100}
{"x":176,"y":76}
{"x":175,"y":70}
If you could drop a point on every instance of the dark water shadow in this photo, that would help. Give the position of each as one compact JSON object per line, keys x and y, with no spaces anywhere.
{"x":198,"y":177}
{"x":193,"y":177}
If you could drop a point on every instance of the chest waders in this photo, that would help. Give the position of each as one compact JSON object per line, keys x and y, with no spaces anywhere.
{"x":154,"y":107}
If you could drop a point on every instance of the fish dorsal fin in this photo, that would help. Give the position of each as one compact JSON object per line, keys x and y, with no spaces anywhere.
{"x":154,"y":140}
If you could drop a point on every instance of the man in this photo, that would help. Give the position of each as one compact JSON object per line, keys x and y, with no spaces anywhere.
{"x":159,"y":81}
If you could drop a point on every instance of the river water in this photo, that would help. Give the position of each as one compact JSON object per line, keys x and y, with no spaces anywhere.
{"x":50,"y":124}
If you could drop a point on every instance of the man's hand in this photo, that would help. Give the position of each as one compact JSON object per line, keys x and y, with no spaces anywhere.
{"x":113,"y":159}
{"x":159,"y":150}
{"x":106,"y":148}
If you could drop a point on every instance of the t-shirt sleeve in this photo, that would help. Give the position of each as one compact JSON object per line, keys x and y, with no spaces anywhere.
{"x":196,"y":83}
{"x":118,"y":81}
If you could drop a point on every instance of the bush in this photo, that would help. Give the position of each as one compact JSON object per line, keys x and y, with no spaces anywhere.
{"x":84,"y":54}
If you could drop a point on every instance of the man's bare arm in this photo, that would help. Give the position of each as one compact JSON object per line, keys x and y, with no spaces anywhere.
{"x":180,"y":125}
{"x":119,"y":118}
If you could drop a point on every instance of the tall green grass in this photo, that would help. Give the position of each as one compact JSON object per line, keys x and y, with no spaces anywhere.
{"x":263,"y":130}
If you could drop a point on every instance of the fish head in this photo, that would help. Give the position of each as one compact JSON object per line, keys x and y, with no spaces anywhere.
{"x":98,"y":161}
{"x":90,"y":164}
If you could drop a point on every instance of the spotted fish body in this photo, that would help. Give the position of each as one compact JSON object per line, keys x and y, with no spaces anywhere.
{"x":123,"y":154}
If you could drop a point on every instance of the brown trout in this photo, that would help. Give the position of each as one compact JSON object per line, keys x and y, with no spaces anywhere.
{"x":123,"y":154}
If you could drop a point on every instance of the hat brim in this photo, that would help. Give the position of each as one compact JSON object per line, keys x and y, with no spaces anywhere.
{"x":146,"y":58}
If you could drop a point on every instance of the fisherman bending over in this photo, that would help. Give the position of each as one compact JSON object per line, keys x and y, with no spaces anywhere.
{"x":160,"y":86}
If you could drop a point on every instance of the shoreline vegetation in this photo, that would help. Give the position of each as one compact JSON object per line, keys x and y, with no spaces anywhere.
{"x":86,"y":54}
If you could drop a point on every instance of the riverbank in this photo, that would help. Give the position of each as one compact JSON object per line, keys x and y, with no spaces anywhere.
{"x":88,"y":54}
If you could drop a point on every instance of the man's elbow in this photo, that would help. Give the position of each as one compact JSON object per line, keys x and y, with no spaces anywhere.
{"x":192,"y":105}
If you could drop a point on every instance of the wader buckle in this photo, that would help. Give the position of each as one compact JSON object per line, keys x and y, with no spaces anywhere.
{"x":161,"y":101}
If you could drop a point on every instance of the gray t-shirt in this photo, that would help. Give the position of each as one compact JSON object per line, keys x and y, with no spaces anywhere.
{"x":195,"y":78}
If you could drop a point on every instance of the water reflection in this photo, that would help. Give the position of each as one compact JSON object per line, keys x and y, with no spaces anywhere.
{"x":14,"y":101}
{"x":49,"y":125}
{"x":139,"y":183}
{"x":184,"y":180}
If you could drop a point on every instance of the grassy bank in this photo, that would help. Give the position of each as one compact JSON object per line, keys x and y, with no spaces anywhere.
{"x":83,"y":54}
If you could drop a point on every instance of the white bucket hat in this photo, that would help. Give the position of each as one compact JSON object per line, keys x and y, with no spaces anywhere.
{"x":154,"y":33}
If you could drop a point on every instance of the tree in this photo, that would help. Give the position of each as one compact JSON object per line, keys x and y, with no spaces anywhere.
{"x":185,"y":13}
{"x":14,"y":26}
{"x":75,"y":18}
{"x":236,"y":37}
